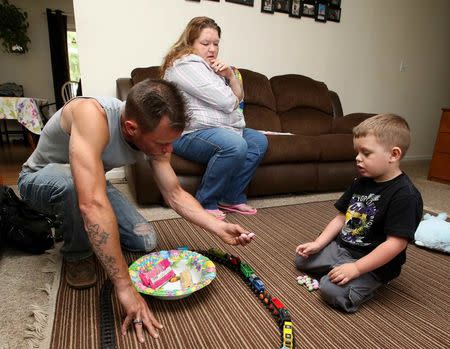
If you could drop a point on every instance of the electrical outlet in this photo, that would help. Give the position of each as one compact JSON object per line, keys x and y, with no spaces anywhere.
{"x":403,"y":66}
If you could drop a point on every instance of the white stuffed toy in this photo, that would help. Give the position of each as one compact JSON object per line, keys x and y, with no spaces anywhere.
{"x":434,"y":232}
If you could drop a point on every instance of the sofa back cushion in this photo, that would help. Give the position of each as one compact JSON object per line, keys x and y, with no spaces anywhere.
{"x":257,"y":89}
{"x":139,"y":74}
{"x":259,"y":102}
{"x":293,"y":91}
{"x":303,"y":104}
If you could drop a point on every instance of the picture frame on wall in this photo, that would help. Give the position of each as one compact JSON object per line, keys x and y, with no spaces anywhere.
{"x":308,"y":9}
{"x":334,"y":14}
{"x":295,"y":8}
{"x":321,"y":11}
{"x":281,"y":6}
{"x":267,"y":6}
{"x":242,"y":2}
{"x":335,"y":3}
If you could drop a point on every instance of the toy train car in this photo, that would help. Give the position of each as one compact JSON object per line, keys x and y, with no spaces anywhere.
{"x":227,"y":259}
{"x":287,"y":336}
{"x":276,"y":305}
{"x":235,"y":262}
{"x":216,"y":254}
{"x":256,"y":284}
{"x":283,"y":316}
{"x":246,"y":270}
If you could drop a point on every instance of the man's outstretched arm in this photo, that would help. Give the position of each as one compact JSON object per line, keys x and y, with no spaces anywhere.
{"x":188,"y":207}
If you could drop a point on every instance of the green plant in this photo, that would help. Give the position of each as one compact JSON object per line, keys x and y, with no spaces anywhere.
{"x":13,"y":28}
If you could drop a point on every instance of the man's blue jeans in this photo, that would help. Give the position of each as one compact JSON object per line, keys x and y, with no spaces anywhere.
{"x":51,"y":190}
{"x":231,"y":162}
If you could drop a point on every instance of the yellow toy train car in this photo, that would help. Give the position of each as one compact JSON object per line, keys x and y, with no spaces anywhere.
{"x":287,"y":336}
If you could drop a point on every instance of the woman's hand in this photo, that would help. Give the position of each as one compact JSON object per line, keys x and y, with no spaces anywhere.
{"x":222,"y":69}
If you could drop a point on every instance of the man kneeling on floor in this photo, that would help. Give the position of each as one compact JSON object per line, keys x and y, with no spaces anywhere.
{"x":65,"y":176}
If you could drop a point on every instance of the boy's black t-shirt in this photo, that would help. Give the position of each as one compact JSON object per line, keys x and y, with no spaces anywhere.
{"x":375,"y":210}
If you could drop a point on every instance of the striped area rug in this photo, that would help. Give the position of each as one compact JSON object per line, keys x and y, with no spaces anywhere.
{"x":411,"y":312}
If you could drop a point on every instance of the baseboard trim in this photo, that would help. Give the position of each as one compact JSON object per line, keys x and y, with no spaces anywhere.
{"x":417,"y":157}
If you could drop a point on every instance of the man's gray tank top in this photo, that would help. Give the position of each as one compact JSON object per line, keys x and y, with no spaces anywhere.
{"x":53,"y":145}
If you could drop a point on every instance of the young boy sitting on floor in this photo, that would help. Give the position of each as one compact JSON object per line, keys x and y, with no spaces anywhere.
{"x":364,"y":246}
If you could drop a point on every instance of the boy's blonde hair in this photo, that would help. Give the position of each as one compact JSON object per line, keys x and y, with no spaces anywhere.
{"x":389,"y":129}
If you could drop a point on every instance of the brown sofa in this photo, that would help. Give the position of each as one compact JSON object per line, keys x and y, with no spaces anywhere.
{"x":318,"y":157}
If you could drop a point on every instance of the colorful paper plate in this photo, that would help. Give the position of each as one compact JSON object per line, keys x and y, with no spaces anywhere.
{"x":202,"y":271}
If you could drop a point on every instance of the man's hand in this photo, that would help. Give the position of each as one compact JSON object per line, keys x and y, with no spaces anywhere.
{"x":233,"y":234}
{"x":307,"y":249}
{"x":137,"y":313}
{"x":343,"y":273}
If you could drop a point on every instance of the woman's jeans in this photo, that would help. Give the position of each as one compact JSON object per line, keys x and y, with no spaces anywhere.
{"x":51,"y":190}
{"x":231,"y":162}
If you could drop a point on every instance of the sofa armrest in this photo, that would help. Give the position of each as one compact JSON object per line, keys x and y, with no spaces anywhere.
{"x":336,"y":104}
{"x":123,"y":86}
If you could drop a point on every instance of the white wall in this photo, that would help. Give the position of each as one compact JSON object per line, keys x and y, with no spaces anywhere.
{"x":33,"y":70}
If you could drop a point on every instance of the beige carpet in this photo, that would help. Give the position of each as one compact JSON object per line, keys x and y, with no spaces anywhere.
{"x":24,"y":310}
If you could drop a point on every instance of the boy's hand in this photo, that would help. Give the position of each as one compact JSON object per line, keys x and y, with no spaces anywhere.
{"x":341,"y":274}
{"x":308,"y":249}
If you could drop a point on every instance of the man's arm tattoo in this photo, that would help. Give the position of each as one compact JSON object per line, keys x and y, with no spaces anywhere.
{"x":98,"y":240}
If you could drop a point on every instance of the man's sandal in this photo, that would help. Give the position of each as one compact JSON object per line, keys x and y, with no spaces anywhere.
{"x":239,"y":208}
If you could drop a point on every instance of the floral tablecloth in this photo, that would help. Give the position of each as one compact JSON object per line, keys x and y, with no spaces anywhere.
{"x":24,"y":110}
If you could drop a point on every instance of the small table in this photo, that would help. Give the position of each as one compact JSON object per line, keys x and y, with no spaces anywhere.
{"x":440,"y":163}
{"x":26,"y":111}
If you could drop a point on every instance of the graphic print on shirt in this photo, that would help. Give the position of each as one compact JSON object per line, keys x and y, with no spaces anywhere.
{"x":359,"y":219}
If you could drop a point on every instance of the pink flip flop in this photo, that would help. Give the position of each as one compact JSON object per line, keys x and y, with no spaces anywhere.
{"x":217,"y":213}
{"x":238,"y":208}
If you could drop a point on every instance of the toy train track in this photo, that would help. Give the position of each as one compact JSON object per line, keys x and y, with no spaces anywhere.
{"x":273,"y":304}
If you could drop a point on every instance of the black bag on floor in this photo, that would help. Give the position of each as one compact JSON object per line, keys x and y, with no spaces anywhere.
{"x":21,"y":226}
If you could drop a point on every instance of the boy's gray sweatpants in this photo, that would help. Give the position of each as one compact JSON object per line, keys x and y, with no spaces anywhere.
{"x":347,"y":297}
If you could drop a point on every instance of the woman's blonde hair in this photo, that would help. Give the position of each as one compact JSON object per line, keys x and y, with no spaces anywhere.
{"x":184,"y":44}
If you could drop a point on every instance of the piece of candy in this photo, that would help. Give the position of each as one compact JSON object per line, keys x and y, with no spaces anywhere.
{"x":307,"y":281}
{"x":174,"y":279}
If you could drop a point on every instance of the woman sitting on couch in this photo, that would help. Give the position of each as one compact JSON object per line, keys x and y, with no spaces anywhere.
{"x":216,"y":135}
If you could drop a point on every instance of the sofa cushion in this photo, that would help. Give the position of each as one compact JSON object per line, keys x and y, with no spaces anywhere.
{"x":293,"y":90}
{"x":261,"y":118}
{"x":257,"y":89}
{"x":305,"y":121}
{"x":139,"y":74}
{"x":291,"y":149}
{"x":336,"y":147}
{"x":186,"y":167}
